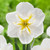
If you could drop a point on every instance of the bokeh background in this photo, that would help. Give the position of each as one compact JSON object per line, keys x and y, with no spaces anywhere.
{"x":7,"y":6}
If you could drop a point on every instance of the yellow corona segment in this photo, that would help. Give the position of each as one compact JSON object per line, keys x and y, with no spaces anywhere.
{"x":24,"y":23}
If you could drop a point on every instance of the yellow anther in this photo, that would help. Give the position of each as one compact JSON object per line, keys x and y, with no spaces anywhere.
{"x":22,"y":27}
{"x":20,"y":18}
{"x":19,"y":24}
{"x":29,"y":17}
{"x":29,"y":29}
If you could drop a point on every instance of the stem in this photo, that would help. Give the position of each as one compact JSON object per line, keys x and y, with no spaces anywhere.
{"x":16,"y":47}
{"x":28,"y":47}
{"x":32,"y":43}
{"x":23,"y":46}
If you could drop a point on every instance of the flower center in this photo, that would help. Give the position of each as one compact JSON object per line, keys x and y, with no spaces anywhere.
{"x":25,"y":23}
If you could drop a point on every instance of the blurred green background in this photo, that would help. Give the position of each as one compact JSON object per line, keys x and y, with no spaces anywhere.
{"x":7,"y":6}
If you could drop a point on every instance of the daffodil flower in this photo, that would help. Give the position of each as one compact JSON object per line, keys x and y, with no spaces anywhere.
{"x":25,"y":23}
{"x":44,"y":46}
{"x":48,"y":31}
{"x":1,"y":28}
{"x":4,"y":45}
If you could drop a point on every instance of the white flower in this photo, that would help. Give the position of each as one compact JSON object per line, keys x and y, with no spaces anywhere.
{"x":44,"y":46}
{"x":48,"y":31}
{"x":25,"y":23}
{"x":1,"y":29}
{"x":4,"y":45}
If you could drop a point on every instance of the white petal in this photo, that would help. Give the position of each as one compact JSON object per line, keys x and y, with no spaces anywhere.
{"x":2,"y":41}
{"x":38,"y":47}
{"x":11,"y":17}
{"x":13,"y":31}
{"x":38,"y":15}
{"x":7,"y":47}
{"x":24,"y":8}
{"x":1,"y":29}
{"x":25,"y":37}
{"x":48,"y":31}
{"x":46,"y":43}
{"x":36,"y":31}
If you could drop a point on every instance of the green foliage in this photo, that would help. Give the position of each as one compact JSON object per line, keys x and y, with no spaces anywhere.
{"x":7,"y":6}
{"x":47,"y":18}
{"x":23,"y":0}
{"x":43,"y":4}
{"x":19,"y":44}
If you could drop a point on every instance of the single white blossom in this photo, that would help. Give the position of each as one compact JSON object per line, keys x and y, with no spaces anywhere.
{"x":25,"y":23}
{"x":1,"y":28}
{"x":44,"y":46}
{"x":4,"y":45}
{"x":48,"y":31}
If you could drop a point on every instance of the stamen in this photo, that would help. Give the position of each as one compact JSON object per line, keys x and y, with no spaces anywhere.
{"x":29,"y":29}
{"x":22,"y":27}
{"x":19,"y":24}
{"x":20,"y":18}
{"x":24,"y":23}
{"x":29,"y":17}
